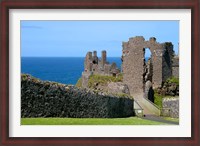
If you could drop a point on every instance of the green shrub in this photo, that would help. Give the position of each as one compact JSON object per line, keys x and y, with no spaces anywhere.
{"x":173,"y":80}
{"x":24,"y":77}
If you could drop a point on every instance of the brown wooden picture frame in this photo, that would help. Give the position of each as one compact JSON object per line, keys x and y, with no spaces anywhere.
{"x":99,"y":4}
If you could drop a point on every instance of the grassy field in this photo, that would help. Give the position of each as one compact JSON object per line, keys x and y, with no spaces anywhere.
{"x":89,"y":121}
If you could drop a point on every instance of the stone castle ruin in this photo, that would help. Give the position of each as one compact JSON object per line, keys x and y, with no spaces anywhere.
{"x":94,"y":65}
{"x":141,"y":76}
{"x":159,"y":67}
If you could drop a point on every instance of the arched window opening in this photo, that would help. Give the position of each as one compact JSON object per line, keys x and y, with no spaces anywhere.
{"x":147,"y":54}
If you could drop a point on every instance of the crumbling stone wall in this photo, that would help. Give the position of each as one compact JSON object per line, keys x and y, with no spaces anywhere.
{"x":96,"y":66}
{"x":148,"y":71}
{"x":167,"y":57}
{"x":93,"y":65}
{"x":133,"y":65}
{"x":50,"y":99}
{"x":175,"y":67}
{"x":85,"y":78}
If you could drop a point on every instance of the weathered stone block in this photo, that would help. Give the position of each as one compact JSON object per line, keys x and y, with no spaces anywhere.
{"x":118,"y":88}
{"x":172,"y":105}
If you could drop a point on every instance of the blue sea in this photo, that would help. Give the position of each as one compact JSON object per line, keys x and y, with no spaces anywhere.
{"x":65,"y":70}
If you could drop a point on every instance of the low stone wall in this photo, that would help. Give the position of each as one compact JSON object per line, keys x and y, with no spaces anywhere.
{"x":170,"y":107}
{"x":50,"y":99}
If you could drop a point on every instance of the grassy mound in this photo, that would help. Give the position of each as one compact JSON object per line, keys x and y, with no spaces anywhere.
{"x":79,"y":83}
{"x":95,"y":80}
{"x":99,"y":80}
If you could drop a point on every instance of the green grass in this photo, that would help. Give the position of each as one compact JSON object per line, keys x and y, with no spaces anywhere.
{"x":173,"y":80}
{"x":171,"y":119}
{"x":102,"y":80}
{"x":88,"y":121}
{"x":79,"y":83}
{"x":158,"y":99}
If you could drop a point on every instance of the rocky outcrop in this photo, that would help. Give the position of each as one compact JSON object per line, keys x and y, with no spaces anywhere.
{"x":170,"y":89}
{"x":50,"y":99}
{"x":117,"y":88}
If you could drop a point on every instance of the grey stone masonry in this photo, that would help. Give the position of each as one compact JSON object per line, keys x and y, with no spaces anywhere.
{"x":103,"y":58}
{"x":175,"y":67}
{"x":93,"y":65}
{"x":87,"y":63}
{"x":170,"y":107}
{"x":134,"y":66}
{"x":85,"y":78}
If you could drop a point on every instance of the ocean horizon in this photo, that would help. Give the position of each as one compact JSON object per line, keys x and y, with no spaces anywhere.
{"x":66,"y":70}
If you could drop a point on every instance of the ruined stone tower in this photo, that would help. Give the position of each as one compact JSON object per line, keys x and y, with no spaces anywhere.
{"x":94,"y":65}
{"x":95,"y":58}
{"x":103,"y":58}
{"x":87,"y":63}
{"x":135,"y":68}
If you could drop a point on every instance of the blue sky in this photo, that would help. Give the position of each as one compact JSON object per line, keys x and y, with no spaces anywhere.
{"x":76,"y":38}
